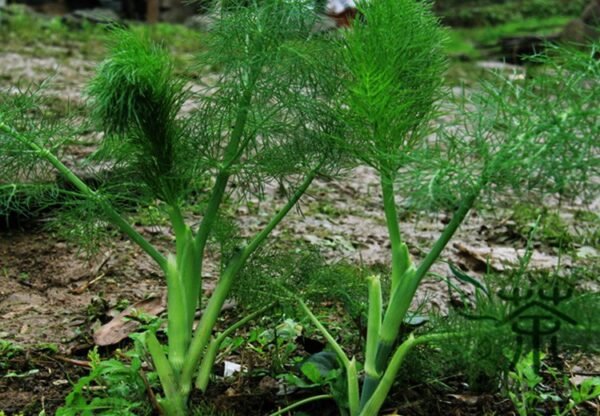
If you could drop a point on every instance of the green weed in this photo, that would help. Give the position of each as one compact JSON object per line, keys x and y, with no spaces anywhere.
{"x":111,"y":388}
{"x":531,"y":397}
{"x":552,"y":229}
{"x":8,"y":351}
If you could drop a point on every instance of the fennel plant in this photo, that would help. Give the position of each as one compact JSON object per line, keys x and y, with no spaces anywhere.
{"x":530,"y":139}
{"x":260,"y":122}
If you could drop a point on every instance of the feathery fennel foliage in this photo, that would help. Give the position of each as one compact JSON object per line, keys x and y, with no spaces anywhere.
{"x":26,"y":186}
{"x":393,"y":63}
{"x":287,"y":107}
{"x":261,"y":121}
{"x":536,"y":137}
{"x":136,"y":99}
{"x":524,"y":139}
{"x":266,"y":52}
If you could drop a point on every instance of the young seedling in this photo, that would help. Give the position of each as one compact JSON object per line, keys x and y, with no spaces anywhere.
{"x":260,"y":122}
{"x":540,"y":135}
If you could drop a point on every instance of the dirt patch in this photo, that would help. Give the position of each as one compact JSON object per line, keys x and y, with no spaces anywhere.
{"x":36,"y":381}
{"x":41,"y":279}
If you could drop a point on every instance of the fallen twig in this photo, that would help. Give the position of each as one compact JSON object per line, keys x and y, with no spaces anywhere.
{"x":80,"y":363}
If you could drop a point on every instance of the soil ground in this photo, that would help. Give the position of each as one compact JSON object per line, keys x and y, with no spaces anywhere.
{"x":53,"y":296}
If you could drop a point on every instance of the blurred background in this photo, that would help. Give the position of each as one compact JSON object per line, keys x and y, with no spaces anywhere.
{"x":509,"y":27}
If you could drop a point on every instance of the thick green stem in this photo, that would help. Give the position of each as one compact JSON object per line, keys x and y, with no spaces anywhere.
{"x":233,"y":149}
{"x":211,"y":212}
{"x":373,"y":329}
{"x":173,"y":407}
{"x":388,"y":333}
{"x":232,"y":153}
{"x":399,"y":253}
{"x":353,"y":388}
{"x":447,"y":234}
{"x":179,"y":228}
{"x":210,"y":356}
{"x":260,"y":237}
{"x":402,"y":296}
{"x":177,"y":316}
{"x":404,"y":293}
{"x":87,"y":192}
{"x":174,"y":403}
{"x":374,"y":322}
{"x":302,"y":403}
{"x":211,"y":313}
{"x":189,"y":263}
{"x":207,"y":323}
{"x":373,"y":405}
{"x":376,"y":400}
{"x":183,"y":287}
